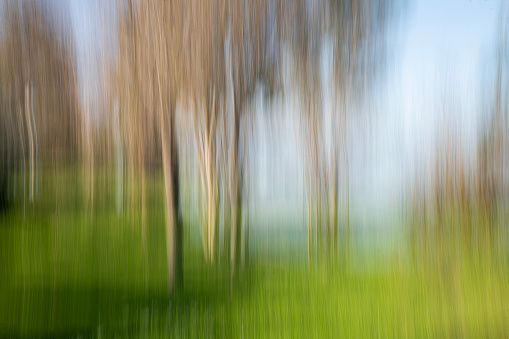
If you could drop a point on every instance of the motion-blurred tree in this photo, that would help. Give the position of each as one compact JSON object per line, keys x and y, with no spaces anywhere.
{"x":38,"y":89}
{"x":357,"y":30}
{"x":254,"y":41}
{"x":150,"y":73}
{"x":214,"y":57}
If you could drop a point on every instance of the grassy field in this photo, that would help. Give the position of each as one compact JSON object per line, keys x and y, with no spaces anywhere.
{"x":68,"y":271}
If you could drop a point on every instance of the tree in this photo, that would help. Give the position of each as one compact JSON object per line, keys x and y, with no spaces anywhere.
{"x":357,"y":30}
{"x":206,"y":88}
{"x":491,"y":176}
{"x":214,"y":56}
{"x":151,"y":67}
{"x":38,"y":88}
{"x":254,"y":38}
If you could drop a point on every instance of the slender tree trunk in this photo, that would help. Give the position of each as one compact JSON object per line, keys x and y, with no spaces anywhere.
{"x":333,"y":170}
{"x":235,"y":196}
{"x":171,"y":184}
{"x":88,"y":166}
{"x":314,"y":174}
{"x":4,"y":166}
{"x":308,"y":190}
{"x":210,"y":212}
{"x":141,"y":171}
{"x":347,"y":193}
{"x":21,"y":138}
{"x":246,"y":237}
{"x":334,"y":212}
{"x":132,"y":173}
{"x":224,"y":248}
{"x":310,"y":226}
{"x":209,"y":146}
{"x":90,"y":152}
{"x":36,"y":154}
{"x":120,"y":159}
{"x":203,"y":178}
{"x":28,"y":118}
{"x":10,"y":148}
{"x":226,"y":229}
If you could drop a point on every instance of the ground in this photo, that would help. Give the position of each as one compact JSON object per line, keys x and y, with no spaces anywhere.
{"x":66,"y":270}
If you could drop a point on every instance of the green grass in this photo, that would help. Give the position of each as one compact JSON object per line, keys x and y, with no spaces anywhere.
{"x":68,"y":271}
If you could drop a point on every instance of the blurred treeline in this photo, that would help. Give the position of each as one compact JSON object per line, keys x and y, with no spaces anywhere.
{"x":40,"y":116}
{"x":459,"y":200}
{"x":185,"y":73}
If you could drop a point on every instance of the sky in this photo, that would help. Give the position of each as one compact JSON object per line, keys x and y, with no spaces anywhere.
{"x":442,"y":52}
{"x":94,"y":29}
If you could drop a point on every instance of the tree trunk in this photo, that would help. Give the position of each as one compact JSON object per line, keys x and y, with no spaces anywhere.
{"x":224,"y":200}
{"x":171,"y":184}
{"x":235,"y":197}
{"x":141,"y":171}
{"x":210,"y":196}
{"x":211,"y":175}
{"x":36,"y":153}
{"x":333,"y":203}
{"x":21,"y":138}
{"x":28,"y":117}
{"x":90,"y":153}
{"x":120,"y":159}
{"x":246,"y":238}
{"x":201,"y":157}
{"x":334,"y":215}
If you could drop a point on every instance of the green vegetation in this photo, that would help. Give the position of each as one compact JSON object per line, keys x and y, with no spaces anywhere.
{"x":70,"y":271}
